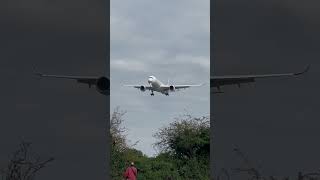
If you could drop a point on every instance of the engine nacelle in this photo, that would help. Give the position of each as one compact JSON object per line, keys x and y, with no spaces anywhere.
{"x":103,"y":85}
{"x":172,"y":88}
{"x":142,"y":88}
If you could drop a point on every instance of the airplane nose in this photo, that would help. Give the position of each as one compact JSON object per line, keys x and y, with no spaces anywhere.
{"x":149,"y":80}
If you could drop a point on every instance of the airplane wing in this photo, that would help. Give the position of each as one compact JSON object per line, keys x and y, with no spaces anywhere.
{"x":90,"y":80}
{"x":141,"y":87}
{"x":102,"y":83}
{"x":178,"y":87}
{"x":218,"y":81}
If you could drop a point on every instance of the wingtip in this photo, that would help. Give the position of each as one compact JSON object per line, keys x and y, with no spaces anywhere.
{"x":306,"y":69}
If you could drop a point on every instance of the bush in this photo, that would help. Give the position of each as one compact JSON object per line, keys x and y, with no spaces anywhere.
{"x":184,"y":150}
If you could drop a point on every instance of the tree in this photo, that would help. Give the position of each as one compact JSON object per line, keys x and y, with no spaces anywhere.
{"x":119,"y":144}
{"x":187,"y":142}
{"x":186,"y":137}
{"x":184,"y":150}
{"x":122,"y":153}
{"x":117,"y":130}
{"x":24,"y":164}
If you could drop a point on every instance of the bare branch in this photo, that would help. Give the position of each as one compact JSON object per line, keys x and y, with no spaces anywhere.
{"x":23,"y":164}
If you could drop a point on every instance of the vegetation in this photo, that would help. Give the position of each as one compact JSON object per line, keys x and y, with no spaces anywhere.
{"x":183,"y":150}
{"x":183,"y":154}
{"x":24,"y":164}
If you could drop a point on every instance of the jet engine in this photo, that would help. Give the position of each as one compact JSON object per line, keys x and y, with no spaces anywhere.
{"x":172,"y":88}
{"x":103,"y":85}
{"x":142,"y":88}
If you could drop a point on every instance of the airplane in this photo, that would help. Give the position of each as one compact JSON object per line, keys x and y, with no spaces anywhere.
{"x":156,"y":85}
{"x":101,"y":83}
{"x":219,"y":81}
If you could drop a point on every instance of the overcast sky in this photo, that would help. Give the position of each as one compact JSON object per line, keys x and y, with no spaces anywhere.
{"x":167,"y":39}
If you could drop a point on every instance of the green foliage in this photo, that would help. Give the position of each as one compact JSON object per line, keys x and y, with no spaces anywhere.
{"x":185,"y":138}
{"x":118,"y":163}
{"x":184,"y":150}
{"x":187,"y":142}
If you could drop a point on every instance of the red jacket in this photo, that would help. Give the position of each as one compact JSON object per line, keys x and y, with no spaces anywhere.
{"x":131,"y":173}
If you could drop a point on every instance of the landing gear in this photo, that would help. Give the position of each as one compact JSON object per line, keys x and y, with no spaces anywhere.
{"x":167,"y":94}
{"x":152,"y":94}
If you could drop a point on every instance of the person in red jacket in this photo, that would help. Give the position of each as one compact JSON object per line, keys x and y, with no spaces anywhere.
{"x":131,"y":172}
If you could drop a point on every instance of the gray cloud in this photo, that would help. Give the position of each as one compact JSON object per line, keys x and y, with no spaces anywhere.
{"x":168,"y":39}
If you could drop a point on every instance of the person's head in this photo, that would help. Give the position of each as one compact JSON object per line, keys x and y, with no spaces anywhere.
{"x":132,"y":163}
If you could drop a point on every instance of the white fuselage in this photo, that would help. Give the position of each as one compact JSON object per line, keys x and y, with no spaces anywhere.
{"x":156,"y":85}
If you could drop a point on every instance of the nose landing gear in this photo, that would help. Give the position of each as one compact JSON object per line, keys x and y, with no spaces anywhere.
{"x":152,"y":94}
